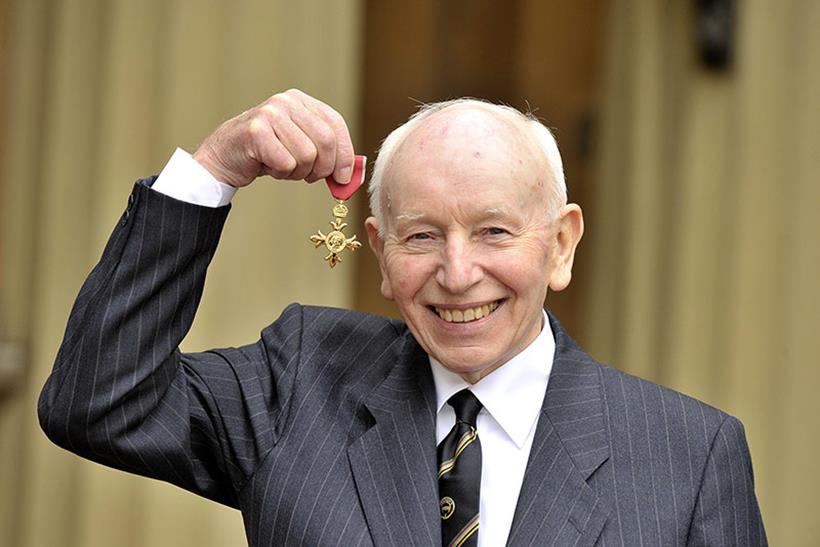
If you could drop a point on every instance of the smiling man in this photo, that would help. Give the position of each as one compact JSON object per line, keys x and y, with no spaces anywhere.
{"x":468,"y":234}
{"x":474,"y":421}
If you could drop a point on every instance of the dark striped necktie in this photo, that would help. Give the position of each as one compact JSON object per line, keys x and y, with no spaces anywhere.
{"x":459,"y":474}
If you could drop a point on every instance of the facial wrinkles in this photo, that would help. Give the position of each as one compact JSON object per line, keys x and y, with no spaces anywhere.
{"x":409,"y":217}
{"x":449,"y":222}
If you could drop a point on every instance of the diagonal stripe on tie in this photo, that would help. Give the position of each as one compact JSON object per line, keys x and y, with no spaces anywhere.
{"x":465,"y":440}
{"x":466,"y":533}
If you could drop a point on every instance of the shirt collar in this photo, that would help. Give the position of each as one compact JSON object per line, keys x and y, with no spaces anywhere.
{"x":513,"y":393}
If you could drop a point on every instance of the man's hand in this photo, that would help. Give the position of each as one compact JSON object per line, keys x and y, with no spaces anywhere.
{"x":289,"y":136}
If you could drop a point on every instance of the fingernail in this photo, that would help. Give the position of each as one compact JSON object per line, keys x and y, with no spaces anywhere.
{"x":344,"y":175}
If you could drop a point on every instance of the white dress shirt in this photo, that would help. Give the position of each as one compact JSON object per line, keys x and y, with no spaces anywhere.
{"x":511,"y":395}
{"x":183,"y":178}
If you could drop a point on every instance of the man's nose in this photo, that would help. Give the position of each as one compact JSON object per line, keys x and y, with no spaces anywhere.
{"x":460,"y":268}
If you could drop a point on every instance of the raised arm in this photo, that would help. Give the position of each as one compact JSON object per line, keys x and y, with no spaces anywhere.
{"x":121,"y":393}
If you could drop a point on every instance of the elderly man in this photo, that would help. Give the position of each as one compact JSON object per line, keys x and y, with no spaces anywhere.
{"x":474,"y":421}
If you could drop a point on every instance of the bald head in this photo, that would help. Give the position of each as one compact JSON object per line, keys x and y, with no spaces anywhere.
{"x":456,"y":132}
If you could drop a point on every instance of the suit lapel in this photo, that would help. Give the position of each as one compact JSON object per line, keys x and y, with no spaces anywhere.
{"x":394,"y":460}
{"x":556,"y":505}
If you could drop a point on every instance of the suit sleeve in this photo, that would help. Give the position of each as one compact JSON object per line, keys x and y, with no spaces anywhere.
{"x":726,"y":510}
{"x":123,"y":395}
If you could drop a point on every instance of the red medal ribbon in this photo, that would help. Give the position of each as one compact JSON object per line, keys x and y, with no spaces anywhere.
{"x":344,"y":191}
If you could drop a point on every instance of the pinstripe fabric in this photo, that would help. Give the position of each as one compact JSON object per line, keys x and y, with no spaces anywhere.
{"x":323,"y":433}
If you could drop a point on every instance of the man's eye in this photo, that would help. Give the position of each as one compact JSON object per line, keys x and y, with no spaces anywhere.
{"x":420,"y":236}
{"x":495,"y":231}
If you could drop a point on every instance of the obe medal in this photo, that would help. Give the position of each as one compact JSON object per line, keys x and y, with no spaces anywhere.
{"x":336,"y":241}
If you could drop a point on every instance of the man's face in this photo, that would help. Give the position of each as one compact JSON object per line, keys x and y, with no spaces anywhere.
{"x":469,"y":249}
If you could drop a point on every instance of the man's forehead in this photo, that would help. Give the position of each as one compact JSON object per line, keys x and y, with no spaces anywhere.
{"x":477,"y":120}
{"x":472,"y":139}
{"x":465,"y":136}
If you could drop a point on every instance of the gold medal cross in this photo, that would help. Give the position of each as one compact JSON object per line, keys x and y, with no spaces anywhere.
{"x":336,"y":241}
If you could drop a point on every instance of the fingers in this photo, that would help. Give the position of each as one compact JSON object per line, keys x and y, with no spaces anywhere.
{"x":313,"y":127}
{"x":343,"y":153}
{"x":314,"y":136}
{"x":272,"y":156}
{"x":300,"y":147}
{"x":289,"y":136}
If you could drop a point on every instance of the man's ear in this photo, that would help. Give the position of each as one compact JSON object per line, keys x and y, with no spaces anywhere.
{"x":377,"y":244}
{"x":570,"y":228}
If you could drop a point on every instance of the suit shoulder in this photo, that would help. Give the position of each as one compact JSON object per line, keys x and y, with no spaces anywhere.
{"x":659,"y":407}
{"x":328,"y":333}
{"x":332,"y":354}
{"x":632,"y":399}
{"x":318,"y":320}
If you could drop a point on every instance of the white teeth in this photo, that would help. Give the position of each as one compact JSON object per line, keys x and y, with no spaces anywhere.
{"x":464,"y":316}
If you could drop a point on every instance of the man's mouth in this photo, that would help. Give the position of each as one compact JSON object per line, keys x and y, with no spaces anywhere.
{"x":466,"y":315}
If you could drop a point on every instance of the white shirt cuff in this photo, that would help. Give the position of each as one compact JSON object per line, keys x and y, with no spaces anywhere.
{"x":183,"y":178}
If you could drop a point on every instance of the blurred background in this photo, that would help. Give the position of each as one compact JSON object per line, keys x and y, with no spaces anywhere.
{"x":690,"y":131}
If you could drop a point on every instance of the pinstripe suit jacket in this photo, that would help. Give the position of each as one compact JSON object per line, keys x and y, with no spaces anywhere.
{"x":322,"y":432}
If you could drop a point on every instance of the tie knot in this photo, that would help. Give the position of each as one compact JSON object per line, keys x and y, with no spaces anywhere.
{"x":466,"y":405}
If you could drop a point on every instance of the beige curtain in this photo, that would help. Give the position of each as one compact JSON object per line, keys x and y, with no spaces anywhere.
{"x":705,"y":240}
{"x":97,"y":94}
